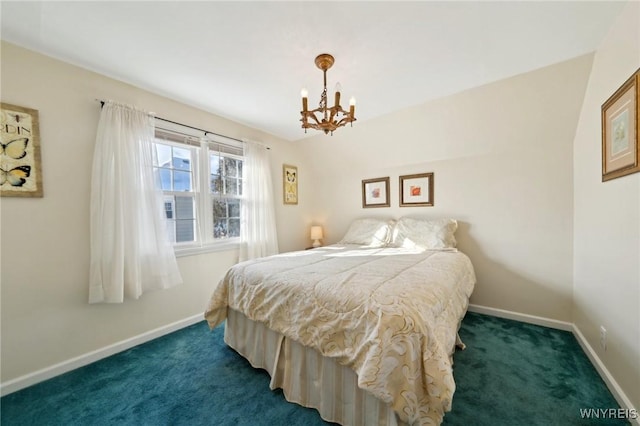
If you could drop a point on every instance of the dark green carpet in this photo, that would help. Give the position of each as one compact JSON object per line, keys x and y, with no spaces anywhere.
{"x":510,"y":374}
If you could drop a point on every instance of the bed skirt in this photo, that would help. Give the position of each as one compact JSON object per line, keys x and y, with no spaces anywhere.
{"x":305,"y":376}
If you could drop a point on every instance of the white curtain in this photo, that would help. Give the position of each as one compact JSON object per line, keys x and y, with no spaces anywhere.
{"x":258,"y":237}
{"x":130,"y":250}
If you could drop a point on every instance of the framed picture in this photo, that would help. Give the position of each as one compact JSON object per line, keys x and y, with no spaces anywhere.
{"x":416,"y":190}
{"x":20,"y":168}
{"x":290,"y":184}
{"x":620,"y":129}
{"x":375,"y":192}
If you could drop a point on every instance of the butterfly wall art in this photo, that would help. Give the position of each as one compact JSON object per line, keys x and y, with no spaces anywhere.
{"x":290,"y":184}
{"x":20,"y":170}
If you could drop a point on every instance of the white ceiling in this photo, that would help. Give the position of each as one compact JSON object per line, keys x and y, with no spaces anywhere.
{"x":247,"y":61}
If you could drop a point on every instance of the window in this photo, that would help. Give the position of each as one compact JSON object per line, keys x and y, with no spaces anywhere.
{"x":174,"y":167}
{"x":202,"y":186}
{"x":226,"y":190}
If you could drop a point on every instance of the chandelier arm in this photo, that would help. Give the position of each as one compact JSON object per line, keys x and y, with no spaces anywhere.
{"x":333,"y":113}
{"x":345,"y":120}
{"x":319,"y":111}
{"x":314,"y":111}
{"x":313,"y":116}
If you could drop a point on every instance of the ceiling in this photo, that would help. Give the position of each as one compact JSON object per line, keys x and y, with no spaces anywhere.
{"x":247,"y":61}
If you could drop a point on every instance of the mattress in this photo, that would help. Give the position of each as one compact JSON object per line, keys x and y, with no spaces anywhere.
{"x":390,"y":315}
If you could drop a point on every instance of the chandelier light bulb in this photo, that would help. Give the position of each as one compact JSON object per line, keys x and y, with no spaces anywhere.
{"x":338,"y":87}
{"x":304,"y":95}
{"x":352,"y":101}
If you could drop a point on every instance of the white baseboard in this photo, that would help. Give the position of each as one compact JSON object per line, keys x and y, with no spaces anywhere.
{"x":611,"y":383}
{"x":530,"y":319}
{"x":604,"y":373}
{"x":82,"y":360}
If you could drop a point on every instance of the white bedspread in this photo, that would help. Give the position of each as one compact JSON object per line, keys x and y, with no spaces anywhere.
{"x":390,"y":314}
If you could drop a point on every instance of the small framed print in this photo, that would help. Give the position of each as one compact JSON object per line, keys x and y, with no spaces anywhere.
{"x":290,"y":184}
{"x":620,"y":129}
{"x":375,"y":192}
{"x":416,"y":190}
{"x":20,"y":169}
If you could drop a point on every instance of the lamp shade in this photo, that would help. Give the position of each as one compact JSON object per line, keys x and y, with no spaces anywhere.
{"x":316,"y":232}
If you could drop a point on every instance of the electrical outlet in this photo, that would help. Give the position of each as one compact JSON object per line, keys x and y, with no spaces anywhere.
{"x":603,"y":337}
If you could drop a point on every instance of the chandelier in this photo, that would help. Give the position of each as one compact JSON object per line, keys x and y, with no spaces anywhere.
{"x":326,"y":118}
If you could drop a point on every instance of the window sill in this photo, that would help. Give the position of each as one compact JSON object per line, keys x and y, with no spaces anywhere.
{"x":227,"y":245}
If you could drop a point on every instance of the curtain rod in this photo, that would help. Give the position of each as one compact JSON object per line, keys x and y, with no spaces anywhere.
{"x":190,"y":127}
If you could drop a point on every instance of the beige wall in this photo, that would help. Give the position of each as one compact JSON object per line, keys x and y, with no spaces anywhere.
{"x":45,"y":242}
{"x":502,"y":158}
{"x":607,"y":219}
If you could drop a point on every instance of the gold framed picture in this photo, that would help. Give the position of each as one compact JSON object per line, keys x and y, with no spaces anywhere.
{"x":620,"y":129}
{"x":20,"y":165}
{"x":416,"y":190}
{"x":375,"y":192}
{"x":290,"y":184}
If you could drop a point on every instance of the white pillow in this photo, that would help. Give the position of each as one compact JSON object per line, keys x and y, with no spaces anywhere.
{"x":368,"y":232}
{"x":424,"y":233}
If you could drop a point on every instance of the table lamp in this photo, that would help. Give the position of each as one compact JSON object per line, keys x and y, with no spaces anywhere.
{"x":316,"y":235}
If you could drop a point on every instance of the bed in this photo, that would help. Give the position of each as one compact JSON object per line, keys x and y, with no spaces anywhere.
{"x":363,"y":330}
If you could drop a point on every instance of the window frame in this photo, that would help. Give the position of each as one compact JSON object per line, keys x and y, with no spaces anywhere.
{"x":201,"y":149}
